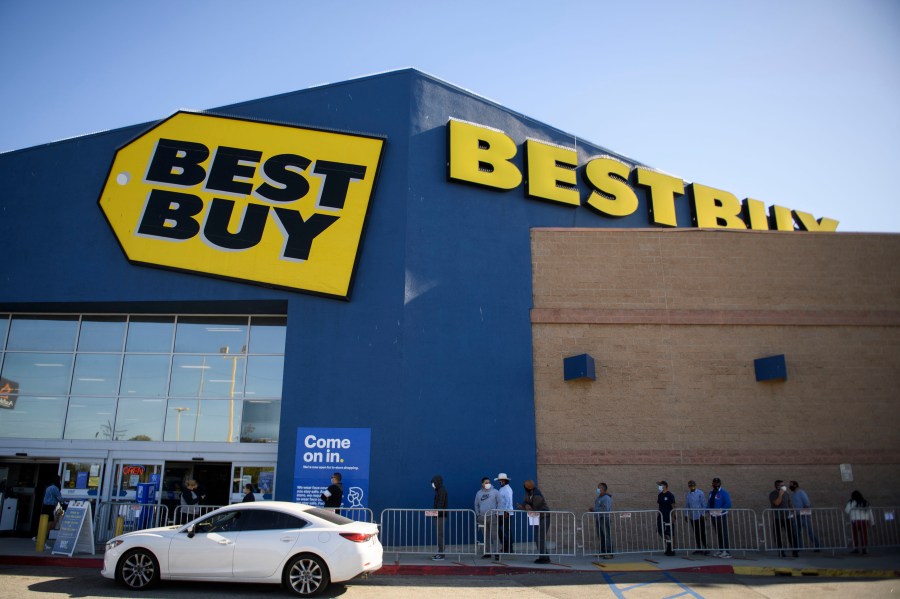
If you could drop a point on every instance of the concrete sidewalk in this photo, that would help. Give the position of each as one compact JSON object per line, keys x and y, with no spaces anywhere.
{"x":879,"y":564}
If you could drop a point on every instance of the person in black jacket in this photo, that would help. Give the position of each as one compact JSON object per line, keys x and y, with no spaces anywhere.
{"x":248,"y":494}
{"x":440,"y":520}
{"x":334,"y":494}
{"x":534,"y":502}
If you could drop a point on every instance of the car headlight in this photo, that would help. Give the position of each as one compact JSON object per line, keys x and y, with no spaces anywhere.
{"x":113,"y":544}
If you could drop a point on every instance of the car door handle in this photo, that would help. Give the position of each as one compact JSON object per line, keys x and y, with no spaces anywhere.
{"x":287,"y":539}
{"x":224,"y":542}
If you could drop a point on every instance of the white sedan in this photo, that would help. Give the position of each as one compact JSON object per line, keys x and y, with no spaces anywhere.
{"x":303,"y":547}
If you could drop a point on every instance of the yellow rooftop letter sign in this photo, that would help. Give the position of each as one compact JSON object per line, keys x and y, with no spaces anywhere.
{"x":271,"y":204}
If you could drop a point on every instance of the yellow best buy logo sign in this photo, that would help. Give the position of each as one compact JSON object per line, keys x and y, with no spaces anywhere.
{"x":271,"y":204}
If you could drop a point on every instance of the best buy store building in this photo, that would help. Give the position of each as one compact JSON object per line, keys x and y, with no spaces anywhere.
{"x":337,"y":279}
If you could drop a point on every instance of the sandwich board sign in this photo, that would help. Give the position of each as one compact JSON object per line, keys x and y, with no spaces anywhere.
{"x":76,"y":531}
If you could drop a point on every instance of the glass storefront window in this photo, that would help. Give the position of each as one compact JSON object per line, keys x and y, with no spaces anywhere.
{"x":91,"y":418}
{"x":42,"y":333}
{"x":267,"y":334}
{"x":39,"y":374}
{"x":81,"y":479}
{"x":140,"y":420}
{"x":145,"y":375}
{"x":203,"y":420}
{"x":260,"y":421}
{"x":262,"y":478}
{"x":34,"y":418}
{"x":206,"y":335}
{"x":264,"y":376}
{"x":219,"y":376}
{"x":151,"y":334}
{"x":128,"y":476}
{"x":4,"y":327}
{"x":101,"y":334}
{"x":96,"y":374}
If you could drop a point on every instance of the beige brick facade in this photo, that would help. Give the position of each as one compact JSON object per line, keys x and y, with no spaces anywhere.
{"x":674,"y":320}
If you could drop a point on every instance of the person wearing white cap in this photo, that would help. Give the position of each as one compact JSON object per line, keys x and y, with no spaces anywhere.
{"x":506,"y":504}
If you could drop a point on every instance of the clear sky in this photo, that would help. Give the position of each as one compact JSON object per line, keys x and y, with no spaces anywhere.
{"x":795,"y":103}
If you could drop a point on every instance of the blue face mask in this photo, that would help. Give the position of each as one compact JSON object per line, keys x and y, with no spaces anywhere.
{"x":599,"y":491}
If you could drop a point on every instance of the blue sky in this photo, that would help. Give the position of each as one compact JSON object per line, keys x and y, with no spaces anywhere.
{"x":795,"y":103}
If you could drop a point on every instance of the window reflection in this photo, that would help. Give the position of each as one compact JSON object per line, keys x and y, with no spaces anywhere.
{"x":39,"y":374}
{"x":150,"y":334}
{"x":4,"y":327}
{"x":102,"y":334}
{"x":91,"y":418}
{"x":140,"y":420}
{"x":260,"y":422}
{"x":145,"y":375}
{"x":42,"y":333}
{"x":207,"y":376}
{"x":96,"y":374}
{"x":264,"y":376}
{"x":267,"y":334}
{"x":34,"y":418}
{"x":211,"y":335}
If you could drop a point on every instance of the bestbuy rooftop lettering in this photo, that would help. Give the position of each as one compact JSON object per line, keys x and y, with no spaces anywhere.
{"x":484,"y":156}
{"x":272,"y":204}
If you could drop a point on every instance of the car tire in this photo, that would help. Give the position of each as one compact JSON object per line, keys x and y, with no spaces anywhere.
{"x":306,"y":575}
{"x":138,"y":570}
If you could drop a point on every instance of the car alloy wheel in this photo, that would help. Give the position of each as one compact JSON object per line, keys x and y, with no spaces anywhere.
{"x":138,"y":569}
{"x":306,"y":575}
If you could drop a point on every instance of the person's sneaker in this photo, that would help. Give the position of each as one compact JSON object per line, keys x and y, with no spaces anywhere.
{"x":437,"y":558}
{"x":608,"y":556}
{"x":542,"y":560}
{"x":486,"y":556}
{"x":725,"y":554}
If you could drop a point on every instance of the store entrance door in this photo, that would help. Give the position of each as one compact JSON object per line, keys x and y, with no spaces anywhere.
{"x":213,"y":479}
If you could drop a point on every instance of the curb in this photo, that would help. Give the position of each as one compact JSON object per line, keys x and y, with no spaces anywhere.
{"x":820,"y":572}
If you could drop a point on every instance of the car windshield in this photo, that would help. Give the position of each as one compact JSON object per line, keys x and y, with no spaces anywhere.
{"x":328,"y":516}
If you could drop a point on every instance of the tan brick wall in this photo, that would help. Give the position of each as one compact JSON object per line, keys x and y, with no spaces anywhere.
{"x":674,"y":320}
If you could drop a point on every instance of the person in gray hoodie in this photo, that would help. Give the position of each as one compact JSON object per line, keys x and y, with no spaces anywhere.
{"x":440,"y":520}
{"x":487,"y":504}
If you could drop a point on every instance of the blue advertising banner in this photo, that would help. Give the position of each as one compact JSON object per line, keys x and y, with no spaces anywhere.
{"x":323,"y":451}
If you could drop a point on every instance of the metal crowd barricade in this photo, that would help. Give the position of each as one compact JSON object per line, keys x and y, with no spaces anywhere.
{"x":520,"y":532}
{"x":804,"y":529}
{"x":417,"y":531}
{"x":185,"y":513}
{"x":129,"y":516}
{"x":359,"y":514}
{"x":618,"y":532}
{"x":884,"y":529}
{"x":723,"y":530}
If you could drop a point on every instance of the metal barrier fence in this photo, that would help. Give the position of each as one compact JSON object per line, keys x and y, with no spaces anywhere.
{"x":359,"y":514}
{"x":185,"y":513}
{"x":428,"y":531}
{"x":802,"y":529}
{"x":130,"y":516}
{"x":715,"y":531}
{"x":883,"y":529}
{"x":519,"y":532}
{"x":618,"y":532}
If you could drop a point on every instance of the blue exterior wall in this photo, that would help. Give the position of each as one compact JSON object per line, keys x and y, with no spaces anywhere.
{"x":433,"y":350}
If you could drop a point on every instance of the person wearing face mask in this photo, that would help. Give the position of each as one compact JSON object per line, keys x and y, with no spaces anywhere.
{"x":783,"y":518}
{"x":440,"y":520}
{"x":666,"y":501}
{"x":506,"y":504}
{"x":487,"y":504}
{"x":534,"y":502}
{"x":602,"y":506}
{"x":695,"y":501}
{"x":719,"y":502}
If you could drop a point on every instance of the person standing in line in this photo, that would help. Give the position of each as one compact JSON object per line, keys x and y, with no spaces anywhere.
{"x":718,"y":503}
{"x":783,"y":518}
{"x":487,"y":504}
{"x":333,"y":496}
{"x":666,"y":501}
{"x":695,"y":501}
{"x":602,"y":507}
{"x":534,"y":502}
{"x":804,"y":515}
{"x":860,"y":517}
{"x":248,"y":494}
{"x":506,"y":504}
{"x":441,"y":501}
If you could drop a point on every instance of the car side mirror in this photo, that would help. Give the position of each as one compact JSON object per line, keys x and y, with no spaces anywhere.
{"x":190,"y":531}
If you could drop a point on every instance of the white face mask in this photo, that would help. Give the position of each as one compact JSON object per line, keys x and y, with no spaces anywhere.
{"x":659,"y":487}
{"x":487,"y":486}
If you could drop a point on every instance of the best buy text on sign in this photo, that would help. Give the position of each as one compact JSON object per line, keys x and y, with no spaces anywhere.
{"x":259,"y":202}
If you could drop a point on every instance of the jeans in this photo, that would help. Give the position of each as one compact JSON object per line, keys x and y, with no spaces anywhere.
{"x":603,"y":534}
{"x":720,"y":524}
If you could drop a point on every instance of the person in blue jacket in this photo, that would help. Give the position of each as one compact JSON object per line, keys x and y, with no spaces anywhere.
{"x":719,"y":502}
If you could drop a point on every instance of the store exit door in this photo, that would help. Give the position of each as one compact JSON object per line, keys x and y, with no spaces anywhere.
{"x":212,"y":478}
